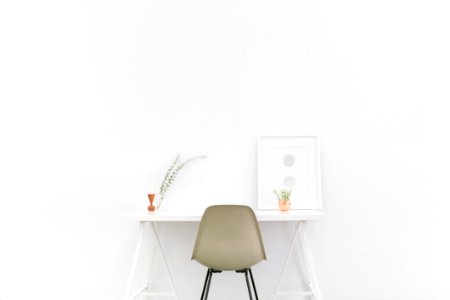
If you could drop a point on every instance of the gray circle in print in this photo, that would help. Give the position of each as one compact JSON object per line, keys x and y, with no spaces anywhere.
{"x":289,"y":160}
{"x":289,"y":181}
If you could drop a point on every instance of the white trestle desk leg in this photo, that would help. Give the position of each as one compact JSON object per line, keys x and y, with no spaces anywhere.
{"x":164,"y":259}
{"x":283,"y":270}
{"x":308,"y":270}
{"x":152,"y":264}
{"x":135,"y":260}
{"x":305,"y":252}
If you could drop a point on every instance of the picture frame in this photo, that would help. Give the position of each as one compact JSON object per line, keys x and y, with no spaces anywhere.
{"x":289,"y":162}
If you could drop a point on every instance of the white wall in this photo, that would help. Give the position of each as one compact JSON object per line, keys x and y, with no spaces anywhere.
{"x":97,"y":97}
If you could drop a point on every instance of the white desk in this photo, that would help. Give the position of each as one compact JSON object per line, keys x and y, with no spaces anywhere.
{"x":300,"y":217}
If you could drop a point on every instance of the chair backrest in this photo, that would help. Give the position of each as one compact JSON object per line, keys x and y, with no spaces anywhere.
{"x":228,"y":238}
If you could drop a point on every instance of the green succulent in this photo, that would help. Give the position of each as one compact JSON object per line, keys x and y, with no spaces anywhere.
{"x":283,"y":194}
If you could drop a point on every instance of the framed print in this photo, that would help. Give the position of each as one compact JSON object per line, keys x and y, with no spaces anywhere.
{"x":292,"y":163}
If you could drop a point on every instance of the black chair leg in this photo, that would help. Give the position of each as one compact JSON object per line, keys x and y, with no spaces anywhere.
{"x":253,"y":283}
{"x":248,"y":284}
{"x":207,"y":279}
{"x":209,"y":283}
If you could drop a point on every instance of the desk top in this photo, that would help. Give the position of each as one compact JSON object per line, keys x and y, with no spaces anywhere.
{"x":182,"y":216}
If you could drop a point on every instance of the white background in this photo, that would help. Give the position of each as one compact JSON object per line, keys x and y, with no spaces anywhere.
{"x":97,"y":97}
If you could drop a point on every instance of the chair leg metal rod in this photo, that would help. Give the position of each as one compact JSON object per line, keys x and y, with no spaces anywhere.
{"x":248,"y":284}
{"x":206,"y":282}
{"x":253,"y":283}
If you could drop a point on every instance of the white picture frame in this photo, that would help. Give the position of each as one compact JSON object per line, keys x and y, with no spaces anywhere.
{"x":291,"y":162}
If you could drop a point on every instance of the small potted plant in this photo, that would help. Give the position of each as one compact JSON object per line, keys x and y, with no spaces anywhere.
{"x":284,"y":199}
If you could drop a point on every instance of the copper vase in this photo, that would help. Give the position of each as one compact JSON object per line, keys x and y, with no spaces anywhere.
{"x":284,"y":204}
{"x":151,"y":198}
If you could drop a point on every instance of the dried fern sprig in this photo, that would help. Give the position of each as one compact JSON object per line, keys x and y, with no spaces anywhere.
{"x":171,"y":175}
{"x":169,"y":172}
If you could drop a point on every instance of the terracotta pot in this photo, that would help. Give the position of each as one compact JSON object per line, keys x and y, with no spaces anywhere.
{"x":284,"y":204}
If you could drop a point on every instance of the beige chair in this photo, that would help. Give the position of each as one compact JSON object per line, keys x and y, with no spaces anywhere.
{"x":228,"y":239}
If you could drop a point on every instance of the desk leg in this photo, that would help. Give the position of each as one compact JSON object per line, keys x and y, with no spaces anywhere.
{"x":308,"y":270}
{"x":152,"y":264}
{"x":145,"y":289}
{"x":135,"y":260}
{"x":283,"y":270}
{"x":155,"y":232}
{"x":305,"y":253}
